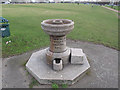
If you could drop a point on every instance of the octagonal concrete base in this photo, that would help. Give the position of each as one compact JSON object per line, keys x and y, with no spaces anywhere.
{"x":37,"y":66}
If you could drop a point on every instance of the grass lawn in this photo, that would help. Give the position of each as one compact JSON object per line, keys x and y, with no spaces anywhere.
{"x":95,"y":24}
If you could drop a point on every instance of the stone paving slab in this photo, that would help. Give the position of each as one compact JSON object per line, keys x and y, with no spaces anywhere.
{"x":103,"y":72}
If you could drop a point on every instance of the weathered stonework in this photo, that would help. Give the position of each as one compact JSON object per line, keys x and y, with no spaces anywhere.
{"x":64,"y":56}
{"x":44,"y":73}
{"x":57,"y":64}
{"x":57,"y":29}
{"x":77,"y":56}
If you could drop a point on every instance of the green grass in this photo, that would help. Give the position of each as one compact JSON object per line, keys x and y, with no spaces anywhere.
{"x":64,"y":85}
{"x":55,"y":86}
{"x":96,"y":24}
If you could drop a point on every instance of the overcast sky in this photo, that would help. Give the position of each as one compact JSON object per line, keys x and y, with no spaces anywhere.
{"x":88,"y":0}
{"x":83,"y":0}
{"x":94,"y":0}
{"x":69,"y":0}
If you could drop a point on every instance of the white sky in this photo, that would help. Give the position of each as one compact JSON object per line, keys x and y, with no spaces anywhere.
{"x":87,"y":0}
{"x":82,"y":0}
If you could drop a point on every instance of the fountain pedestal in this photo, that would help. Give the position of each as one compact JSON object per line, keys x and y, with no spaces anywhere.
{"x":58,"y":63}
{"x":57,"y":29}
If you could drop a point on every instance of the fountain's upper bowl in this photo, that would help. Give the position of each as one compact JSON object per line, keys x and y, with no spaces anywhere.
{"x":57,"y":27}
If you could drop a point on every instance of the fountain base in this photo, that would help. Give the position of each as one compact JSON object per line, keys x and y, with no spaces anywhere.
{"x":63,"y":55}
{"x":44,"y":74}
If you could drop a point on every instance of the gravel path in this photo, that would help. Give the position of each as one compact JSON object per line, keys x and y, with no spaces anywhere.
{"x":103,"y":72}
{"x":111,"y":9}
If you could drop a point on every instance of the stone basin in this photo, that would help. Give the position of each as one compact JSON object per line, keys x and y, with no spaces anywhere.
{"x":57,"y":27}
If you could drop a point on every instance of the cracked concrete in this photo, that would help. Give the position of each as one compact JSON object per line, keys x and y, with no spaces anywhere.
{"x":103,"y":72}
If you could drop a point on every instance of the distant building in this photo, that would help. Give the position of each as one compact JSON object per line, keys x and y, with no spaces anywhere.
{"x":40,"y":0}
{"x":109,"y":0}
{"x":3,"y":1}
{"x":20,"y":0}
{"x":57,"y":1}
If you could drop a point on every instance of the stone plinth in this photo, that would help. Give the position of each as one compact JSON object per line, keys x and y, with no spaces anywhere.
{"x":77,"y":56}
{"x":45,"y":75}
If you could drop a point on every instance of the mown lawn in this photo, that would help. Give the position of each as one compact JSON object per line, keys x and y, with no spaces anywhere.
{"x":95,"y":24}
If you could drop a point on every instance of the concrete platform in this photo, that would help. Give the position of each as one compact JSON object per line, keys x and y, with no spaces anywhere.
{"x":37,"y":66}
{"x":103,"y":71}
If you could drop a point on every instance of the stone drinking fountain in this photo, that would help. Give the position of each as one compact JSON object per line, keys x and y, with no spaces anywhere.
{"x":58,"y":63}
